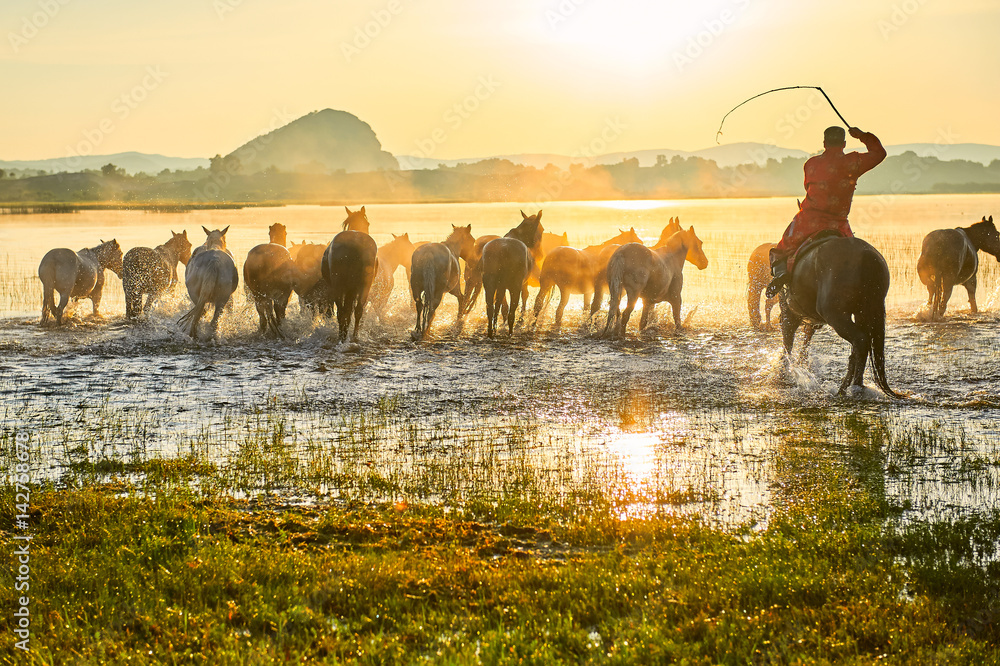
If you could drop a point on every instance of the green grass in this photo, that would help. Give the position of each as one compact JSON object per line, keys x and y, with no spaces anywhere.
{"x":161,"y":563}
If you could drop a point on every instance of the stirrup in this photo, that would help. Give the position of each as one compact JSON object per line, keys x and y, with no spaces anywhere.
{"x":775,"y":286}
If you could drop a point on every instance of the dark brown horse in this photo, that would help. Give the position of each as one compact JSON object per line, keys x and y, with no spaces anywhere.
{"x":841,"y":282}
{"x":152,"y":271}
{"x":278,"y":234}
{"x":950,"y":257}
{"x":506,"y":264}
{"x":311,"y":288}
{"x":474,"y":272}
{"x":397,"y":252}
{"x":270,"y":276}
{"x":348,"y":271}
{"x":434,"y":271}
{"x":356,"y":221}
{"x":76,"y":275}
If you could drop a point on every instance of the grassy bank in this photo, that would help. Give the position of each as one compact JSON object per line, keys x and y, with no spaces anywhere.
{"x":144,"y":569}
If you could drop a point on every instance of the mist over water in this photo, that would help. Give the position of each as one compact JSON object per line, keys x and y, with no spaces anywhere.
{"x":707,"y":409}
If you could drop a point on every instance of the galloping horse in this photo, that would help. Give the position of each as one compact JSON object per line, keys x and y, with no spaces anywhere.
{"x":841,"y":282}
{"x":269,"y":276}
{"x":949,"y":257}
{"x":356,"y":221}
{"x":573,"y":272}
{"x":211,"y":277}
{"x":278,"y":234}
{"x":434,"y":271}
{"x":397,"y":252}
{"x":602,"y":255}
{"x":654,"y":275}
{"x":151,"y":271}
{"x":474,"y":272}
{"x":758,"y":276}
{"x":506,"y":264}
{"x":348,"y":270}
{"x":78,"y":275}
{"x":311,"y":287}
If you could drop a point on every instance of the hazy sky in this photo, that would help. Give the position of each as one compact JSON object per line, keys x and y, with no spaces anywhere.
{"x":465,"y":78}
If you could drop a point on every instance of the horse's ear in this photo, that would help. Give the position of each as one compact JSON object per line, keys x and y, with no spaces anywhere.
{"x":991,"y":218}
{"x":363,"y":210}
{"x":394,"y":237}
{"x":539,"y":216}
{"x":207,"y":232}
{"x":407,"y":235}
{"x":102,"y":241}
{"x":225,"y":230}
{"x":184,"y":233}
{"x":453,"y":227}
{"x":523,"y":216}
{"x":348,"y":210}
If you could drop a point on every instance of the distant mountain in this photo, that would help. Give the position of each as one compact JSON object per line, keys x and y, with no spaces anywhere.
{"x":973,"y":152}
{"x":132,"y":162}
{"x":321,"y":142}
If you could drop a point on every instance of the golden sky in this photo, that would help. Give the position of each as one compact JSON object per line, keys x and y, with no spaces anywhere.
{"x":470,"y":78}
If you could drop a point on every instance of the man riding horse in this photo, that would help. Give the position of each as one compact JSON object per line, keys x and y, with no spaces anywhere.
{"x":830,"y":179}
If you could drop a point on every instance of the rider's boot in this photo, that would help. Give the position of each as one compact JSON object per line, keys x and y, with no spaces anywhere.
{"x":780,"y":272}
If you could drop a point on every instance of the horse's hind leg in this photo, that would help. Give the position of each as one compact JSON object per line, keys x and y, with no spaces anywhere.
{"x":970,"y":286}
{"x":491,"y":314}
{"x":860,"y":345}
{"x":626,"y":313}
{"x":61,"y":308}
{"x":512,"y":311}
{"x":789,"y":324}
{"x":48,"y":303}
{"x":563,"y":301}
{"x":945,"y":297}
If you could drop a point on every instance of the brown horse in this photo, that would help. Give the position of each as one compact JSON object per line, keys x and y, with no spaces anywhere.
{"x":573,"y":272}
{"x":474,"y":272}
{"x":278,"y":234}
{"x":949,"y":257}
{"x":552,"y":241}
{"x":211,"y":278}
{"x":356,"y":221}
{"x":152,"y":271}
{"x":841,"y":282}
{"x":758,"y":277}
{"x":506,"y":264}
{"x":270,"y":276}
{"x":435,"y":270}
{"x":311,"y":287}
{"x":348,"y":271}
{"x":76,"y":275}
{"x":397,"y":252}
{"x":602,"y":255}
{"x":653,"y":275}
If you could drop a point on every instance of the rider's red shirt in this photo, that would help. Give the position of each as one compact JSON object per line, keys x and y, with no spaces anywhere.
{"x":830,"y":180}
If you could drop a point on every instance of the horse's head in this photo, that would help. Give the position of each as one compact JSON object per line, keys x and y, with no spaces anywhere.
{"x":277,"y":233}
{"x":109,"y":255}
{"x":694,"y":252}
{"x":673,"y":226}
{"x":552,"y":241}
{"x":356,"y":221}
{"x":985,"y":235}
{"x":529,"y":231}
{"x":215,"y":240}
{"x":461,"y":242}
{"x":181,"y":245}
{"x":399,"y":250}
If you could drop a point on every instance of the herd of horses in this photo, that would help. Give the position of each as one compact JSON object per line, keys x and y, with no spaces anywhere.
{"x":836,"y":281}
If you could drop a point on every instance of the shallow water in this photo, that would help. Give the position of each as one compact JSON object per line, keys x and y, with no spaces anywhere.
{"x":708,"y":410}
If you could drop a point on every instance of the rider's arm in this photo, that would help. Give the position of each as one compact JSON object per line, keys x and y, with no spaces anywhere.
{"x":876,"y":153}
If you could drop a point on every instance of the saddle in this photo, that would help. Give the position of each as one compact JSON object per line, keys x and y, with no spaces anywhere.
{"x":817,"y":239}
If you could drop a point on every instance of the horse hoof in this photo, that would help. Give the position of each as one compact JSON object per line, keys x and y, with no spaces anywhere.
{"x":416,"y":336}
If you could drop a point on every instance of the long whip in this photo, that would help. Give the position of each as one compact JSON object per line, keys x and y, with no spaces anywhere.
{"x":719,"y":133}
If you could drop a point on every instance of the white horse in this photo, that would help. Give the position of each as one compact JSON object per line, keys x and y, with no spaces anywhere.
{"x":211,"y":277}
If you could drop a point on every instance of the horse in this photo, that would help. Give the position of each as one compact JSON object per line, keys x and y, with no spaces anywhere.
{"x":474,"y":272}
{"x":434,"y":271}
{"x":348,"y":271}
{"x":397,"y":252}
{"x":210,"y":277}
{"x":269,"y":276}
{"x":949,"y":257}
{"x":356,"y":221}
{"x":152,"y":271}
{"x":76,"y":275}
{"x":653,"y":275}
{"x":552,"y":241}
{"x":573,"y":272}
{"x":278,"y":234}
{"x":311,"y":287}
{"x":758,"y":277}
{"x":506,"y":264}
{"x":841,"y":282}
{"x":602,"y":255}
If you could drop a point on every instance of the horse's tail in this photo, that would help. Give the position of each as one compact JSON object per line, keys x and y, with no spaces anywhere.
{"x":615,"y":274}
{"x":874,"y":324}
